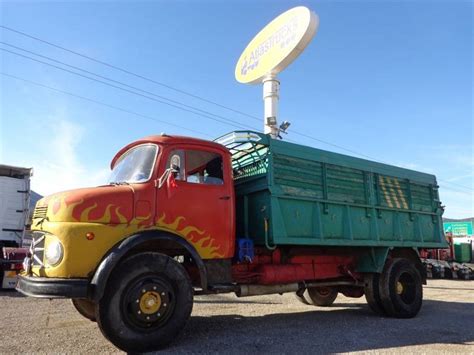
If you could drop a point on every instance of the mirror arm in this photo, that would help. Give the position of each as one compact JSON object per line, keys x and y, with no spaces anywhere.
{"x":164,"y":177}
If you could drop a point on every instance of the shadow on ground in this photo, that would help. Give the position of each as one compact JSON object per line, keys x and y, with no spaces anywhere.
{"x":335,"y":330}
{"x":10,"y":293}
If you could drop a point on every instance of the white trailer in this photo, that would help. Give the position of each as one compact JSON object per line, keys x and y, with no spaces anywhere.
{"x":14,"y":204}
{"x":14,"y":216}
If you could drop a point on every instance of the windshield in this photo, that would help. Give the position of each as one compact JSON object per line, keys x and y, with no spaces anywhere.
{"x":134,"y":166}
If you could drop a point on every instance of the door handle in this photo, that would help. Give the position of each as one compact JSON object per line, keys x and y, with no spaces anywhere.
{"x":224,"y":198}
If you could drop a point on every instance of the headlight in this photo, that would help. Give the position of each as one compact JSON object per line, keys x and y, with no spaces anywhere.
{"x":54,"y":252}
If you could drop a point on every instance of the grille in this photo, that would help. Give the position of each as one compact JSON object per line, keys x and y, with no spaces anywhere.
{"x":37,"y":248}
{"x":40,"y":212}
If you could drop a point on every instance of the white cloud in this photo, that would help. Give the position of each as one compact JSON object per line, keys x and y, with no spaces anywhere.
{"x":57,"y":166}
{"x":60,"y":167}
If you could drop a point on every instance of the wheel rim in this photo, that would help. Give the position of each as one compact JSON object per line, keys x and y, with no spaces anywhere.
{"x":148,"y":303}
{"x":323,"y":291}
{"x":399,"y":288}
{"x":405,"y":288}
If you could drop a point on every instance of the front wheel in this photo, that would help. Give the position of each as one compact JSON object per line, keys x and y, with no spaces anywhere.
{"x":146,"y":303}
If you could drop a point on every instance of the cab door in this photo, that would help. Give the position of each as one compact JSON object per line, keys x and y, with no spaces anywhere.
{"x":197,"y":199}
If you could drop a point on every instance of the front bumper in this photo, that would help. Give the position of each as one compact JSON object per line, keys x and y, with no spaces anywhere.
{"x":46,"y":287}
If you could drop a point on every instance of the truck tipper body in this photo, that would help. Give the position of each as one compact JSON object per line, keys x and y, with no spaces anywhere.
{"x":245,"y":214}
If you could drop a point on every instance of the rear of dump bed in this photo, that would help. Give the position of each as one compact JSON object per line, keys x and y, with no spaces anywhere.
{"x":289,"y":194}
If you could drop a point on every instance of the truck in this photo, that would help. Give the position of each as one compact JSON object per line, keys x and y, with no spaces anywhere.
{"x":244,"y":214}
{"x":14,"y":213}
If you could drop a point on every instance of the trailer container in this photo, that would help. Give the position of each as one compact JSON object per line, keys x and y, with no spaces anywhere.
{"x":463,"y":252}
{"x":14,"y":209}
{"x":14,"y":213}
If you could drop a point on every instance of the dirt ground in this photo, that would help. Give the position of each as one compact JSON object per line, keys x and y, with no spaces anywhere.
{"x":268,"y":324}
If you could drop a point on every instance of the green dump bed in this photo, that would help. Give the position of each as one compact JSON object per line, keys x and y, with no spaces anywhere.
{"x":289,"y":194}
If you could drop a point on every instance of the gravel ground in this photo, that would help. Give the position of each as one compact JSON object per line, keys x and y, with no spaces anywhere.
{"x":269,"y":324}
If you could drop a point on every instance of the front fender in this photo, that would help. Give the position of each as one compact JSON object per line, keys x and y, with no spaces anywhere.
{"x":113,"y":257}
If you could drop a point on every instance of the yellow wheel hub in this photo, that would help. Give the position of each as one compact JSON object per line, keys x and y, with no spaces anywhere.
{"x":399,"y":288}
{"x":150,"y":302}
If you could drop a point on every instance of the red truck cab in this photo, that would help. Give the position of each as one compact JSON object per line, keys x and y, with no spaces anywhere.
{"x":202,"y":176}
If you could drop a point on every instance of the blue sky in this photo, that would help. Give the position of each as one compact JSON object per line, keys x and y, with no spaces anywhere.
{"x":390,"y":79}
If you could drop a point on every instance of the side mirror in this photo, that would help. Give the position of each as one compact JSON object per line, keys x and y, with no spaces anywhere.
{"x":175,"y":168}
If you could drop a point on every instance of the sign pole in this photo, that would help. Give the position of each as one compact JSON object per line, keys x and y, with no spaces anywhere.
{"x":275,"y":47}
{"x":271,"y":95}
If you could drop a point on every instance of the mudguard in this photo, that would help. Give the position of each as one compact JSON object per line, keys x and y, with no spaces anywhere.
{"x":114,"y":256}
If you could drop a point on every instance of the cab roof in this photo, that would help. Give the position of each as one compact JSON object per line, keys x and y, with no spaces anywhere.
{"x":166,"y":139}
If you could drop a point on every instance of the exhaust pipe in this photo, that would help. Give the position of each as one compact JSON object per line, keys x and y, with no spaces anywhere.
{"x":257,"y":290}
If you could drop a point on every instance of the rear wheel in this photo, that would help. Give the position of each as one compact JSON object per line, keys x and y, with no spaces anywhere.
{"x":401,"y":290}
{"x":146,"y":303}
{"x":372,"y":294}
{"x":322,"y":296}
{"x":302,"y":296}
{"x":85,"y":307}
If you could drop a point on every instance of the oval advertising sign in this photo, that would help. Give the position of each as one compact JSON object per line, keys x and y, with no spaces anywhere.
{"x":277,"y":45}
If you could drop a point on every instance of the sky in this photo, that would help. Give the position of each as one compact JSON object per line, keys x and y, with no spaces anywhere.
{"x":391,"y":80}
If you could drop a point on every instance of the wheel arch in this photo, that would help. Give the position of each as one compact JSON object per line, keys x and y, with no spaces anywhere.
{"x":152,"y":240}
{"x":373,"y":259}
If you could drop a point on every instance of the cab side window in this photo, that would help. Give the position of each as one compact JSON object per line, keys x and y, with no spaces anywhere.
{"x":197,"y":166}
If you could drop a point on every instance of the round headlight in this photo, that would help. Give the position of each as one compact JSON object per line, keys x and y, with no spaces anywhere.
{"x":54,"y":252}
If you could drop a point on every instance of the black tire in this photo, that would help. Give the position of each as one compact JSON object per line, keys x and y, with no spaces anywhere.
{"x":146,"y":303}
{"x":436,"y":274}
{"x":448,"y":274}
{"x":322,"y":296}
{"x":85,"y":307}
{"x":372,"y":294}
{"x":401,"y":288}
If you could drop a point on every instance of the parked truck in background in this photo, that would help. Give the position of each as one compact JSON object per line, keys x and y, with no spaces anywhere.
{"x":245,"y":214}
{"x":14,"y":215}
